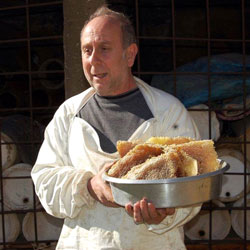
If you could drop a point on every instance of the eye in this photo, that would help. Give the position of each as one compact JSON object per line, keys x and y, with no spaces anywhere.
{"x":87,"y":51}
{"x":105,"y":48}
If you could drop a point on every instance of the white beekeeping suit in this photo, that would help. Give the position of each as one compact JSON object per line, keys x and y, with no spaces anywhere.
{"x":71,"y":154}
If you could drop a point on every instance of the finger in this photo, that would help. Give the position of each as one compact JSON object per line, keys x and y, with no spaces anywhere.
{"x":153,"y":211}
{"x":107,"y":166}
{"x":108,"y":194}
{"x":161,"y":211}
{"x":170,"y":211}
{"x":112,"y":204}
{"x":108,"y":203}
{"x":129,"y":209}
{"x":137,"y":213}
{"x":144,"y":210}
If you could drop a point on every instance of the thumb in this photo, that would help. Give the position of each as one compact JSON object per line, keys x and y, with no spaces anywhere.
{"x":170,"y":211}
{"x":107,"y":166}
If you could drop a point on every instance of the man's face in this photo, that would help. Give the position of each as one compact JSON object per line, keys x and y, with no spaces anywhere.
{"x":105,"y":61}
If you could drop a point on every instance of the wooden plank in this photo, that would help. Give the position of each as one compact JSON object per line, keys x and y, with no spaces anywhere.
{"x":219,"y":247}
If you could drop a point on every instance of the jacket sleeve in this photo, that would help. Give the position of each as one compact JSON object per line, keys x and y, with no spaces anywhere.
{"x":177,"y":122}
{"x":61,"y":188}
{"x":179,"y":218}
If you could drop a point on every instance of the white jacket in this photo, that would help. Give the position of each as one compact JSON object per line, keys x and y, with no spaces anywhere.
{"x":71,"y":154}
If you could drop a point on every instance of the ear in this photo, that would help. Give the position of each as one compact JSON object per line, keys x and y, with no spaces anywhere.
{"x":131,"y":53}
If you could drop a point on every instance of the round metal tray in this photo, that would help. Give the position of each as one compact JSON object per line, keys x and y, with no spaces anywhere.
{"x":174,"y":192}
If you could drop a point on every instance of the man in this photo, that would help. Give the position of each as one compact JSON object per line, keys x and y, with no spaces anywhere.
{"x":80,"y":144}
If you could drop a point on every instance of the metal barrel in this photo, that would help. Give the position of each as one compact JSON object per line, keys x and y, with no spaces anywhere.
{"x":9,"y":154}
{"x":26,"y":134}
{"x":233,"y":185}
{"x":18,"y":187}
{"x":48,"y":227}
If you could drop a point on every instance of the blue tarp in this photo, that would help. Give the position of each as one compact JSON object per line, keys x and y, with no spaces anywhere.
{"x":194,"y":89}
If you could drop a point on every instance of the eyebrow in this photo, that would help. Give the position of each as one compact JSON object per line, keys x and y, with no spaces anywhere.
{"x":101,"y":43}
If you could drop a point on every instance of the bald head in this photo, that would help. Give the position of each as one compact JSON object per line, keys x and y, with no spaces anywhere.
{"x":99,"y":27}
{"x":126,"y":27}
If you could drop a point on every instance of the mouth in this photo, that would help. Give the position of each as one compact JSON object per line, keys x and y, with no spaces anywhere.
{"x":100,"y":76}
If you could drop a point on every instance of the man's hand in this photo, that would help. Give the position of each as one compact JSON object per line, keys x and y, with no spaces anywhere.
{"x":143,"y":211}
{"x":100,"y":190}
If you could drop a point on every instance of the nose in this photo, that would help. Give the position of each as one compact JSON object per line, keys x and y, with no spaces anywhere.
{"x":94,"y":58}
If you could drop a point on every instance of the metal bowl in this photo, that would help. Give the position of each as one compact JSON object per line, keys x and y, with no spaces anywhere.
{"x":175,"y":192}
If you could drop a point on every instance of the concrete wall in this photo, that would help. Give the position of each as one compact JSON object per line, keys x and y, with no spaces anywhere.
{"x":75,"y":14}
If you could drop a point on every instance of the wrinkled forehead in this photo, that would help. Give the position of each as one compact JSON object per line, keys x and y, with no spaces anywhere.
{"x":103,"y":27}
